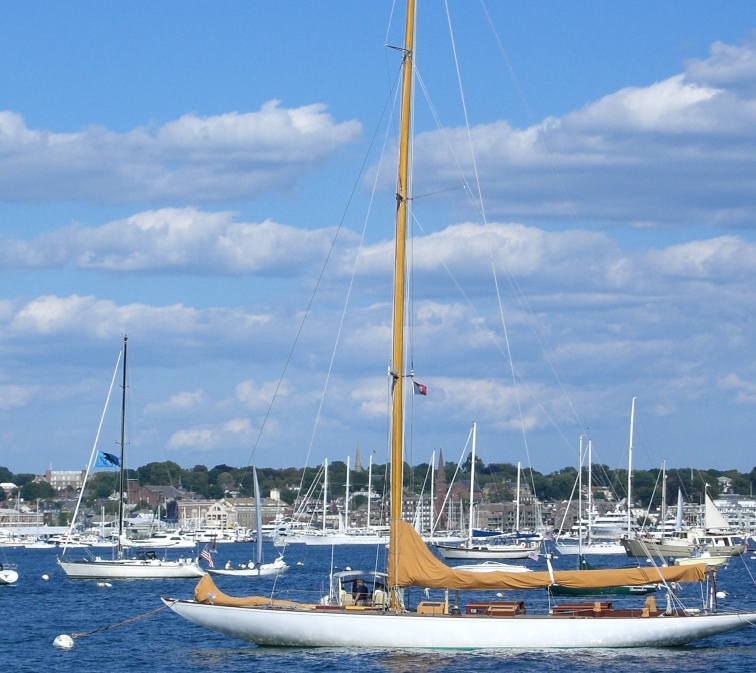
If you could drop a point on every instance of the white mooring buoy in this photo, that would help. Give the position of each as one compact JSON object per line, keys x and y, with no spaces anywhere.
{"x":63,"y":642}
{"x":721,"y":594}
{"x":45,"y":577}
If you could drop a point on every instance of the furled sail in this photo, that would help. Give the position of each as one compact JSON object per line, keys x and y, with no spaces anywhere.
{"x":206,"y":592}
{"x":417,"y":566}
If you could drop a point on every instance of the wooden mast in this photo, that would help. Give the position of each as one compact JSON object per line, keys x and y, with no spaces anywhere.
{"x":397,"y":359}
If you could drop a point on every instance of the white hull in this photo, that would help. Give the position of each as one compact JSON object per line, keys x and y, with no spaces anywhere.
{"x":132,"y":569}
{"x":8,"y":576}
{"x":266,"y":569}
{"x":330,"y":540}
{"x":311,"y":628}
{"x":161,"y":544}
{"x":486,"y":552}
{"x":492,"y":566}
{"x":599,"y":549}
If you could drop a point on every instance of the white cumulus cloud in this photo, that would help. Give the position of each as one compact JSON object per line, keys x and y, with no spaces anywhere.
{"x":680,"y":151}
{"x":221,"y":157}
{"x":179,"y":240}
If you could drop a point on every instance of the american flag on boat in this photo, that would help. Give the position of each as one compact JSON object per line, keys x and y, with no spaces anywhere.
{"x":207,"y":556}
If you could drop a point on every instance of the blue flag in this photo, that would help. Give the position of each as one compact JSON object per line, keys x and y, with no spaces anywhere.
{"x":107,"y":460}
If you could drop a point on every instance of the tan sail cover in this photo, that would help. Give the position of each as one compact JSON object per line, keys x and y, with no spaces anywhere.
{"x":417,"y":566}
{"x":206,"y":592}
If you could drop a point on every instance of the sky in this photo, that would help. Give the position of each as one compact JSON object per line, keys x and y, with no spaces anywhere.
{"x":188,"y":173}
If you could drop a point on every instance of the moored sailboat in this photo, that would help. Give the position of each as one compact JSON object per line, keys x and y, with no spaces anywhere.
{"x":144,"y":566}
{"x":265,"y":621}
{"x":256,"y":568}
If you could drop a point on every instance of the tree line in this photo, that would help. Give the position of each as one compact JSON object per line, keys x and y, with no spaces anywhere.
{"x":214,"y":483}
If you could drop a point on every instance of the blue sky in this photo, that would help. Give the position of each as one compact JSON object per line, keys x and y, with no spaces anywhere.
{"x":176,"y":171}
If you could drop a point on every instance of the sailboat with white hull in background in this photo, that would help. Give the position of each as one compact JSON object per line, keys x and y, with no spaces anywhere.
{"x":380,"y":619}
{"x":146,"y":565}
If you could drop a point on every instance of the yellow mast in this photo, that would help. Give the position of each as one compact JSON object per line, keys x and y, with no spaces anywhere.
{"x":397,"y":359}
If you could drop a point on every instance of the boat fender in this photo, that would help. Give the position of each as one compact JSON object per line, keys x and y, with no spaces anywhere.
{"x":63,"y":642}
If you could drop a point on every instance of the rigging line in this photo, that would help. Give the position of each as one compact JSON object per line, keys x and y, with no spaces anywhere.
{"x":511,"y":366}
{"x":567,"y":509}
{"x":494,"y":339}
{"x":385,"y":42}
{"x":554,"y":172}
{"x":464,"y":109}
{"x":550,"y":356}
{"x":439,"y":191}
{"x":351,"y":283}
{"x":552,"y":164}
{"x":92,"y":455}
{"x":510,"y":278}
{"x":319,"y":280}
{"x":449,"y":146}
{"x":456,"y":472}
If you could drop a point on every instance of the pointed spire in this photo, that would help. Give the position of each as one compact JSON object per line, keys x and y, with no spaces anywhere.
{"x":357,"y":460}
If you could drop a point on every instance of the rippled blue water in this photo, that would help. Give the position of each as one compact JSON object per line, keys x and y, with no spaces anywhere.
{"x":35,"y":611}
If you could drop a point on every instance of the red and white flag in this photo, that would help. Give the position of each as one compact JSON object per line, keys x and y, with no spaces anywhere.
{"x":207,"y":556}
{"x":420,"y":389}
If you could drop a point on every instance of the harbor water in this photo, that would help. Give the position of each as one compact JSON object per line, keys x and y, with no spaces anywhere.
{"x":35,"y":611}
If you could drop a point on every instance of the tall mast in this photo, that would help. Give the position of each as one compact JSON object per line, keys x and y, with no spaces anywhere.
{"x":432,"y":508}
{"x":325,"y":492}
{"x":397,"y":357}
{"x":123,"y":438}
{"x":630,"y":471}
{"x":472,"y":482}
{"x":590,"y":491}
{"x":580,"y":502}
{"x":370,"y":488}
{"x":664,"y":495}
{"x":517,"y":501}
{"x":346,"y":499}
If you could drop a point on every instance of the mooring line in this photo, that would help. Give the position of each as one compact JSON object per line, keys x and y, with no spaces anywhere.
{"x":112,"y":626}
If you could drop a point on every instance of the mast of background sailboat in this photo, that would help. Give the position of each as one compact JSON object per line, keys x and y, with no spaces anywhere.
{"x":472,"y":483}
{"x":123,"y":437}
{"x":325,"y":492}
{"x":432,"y":508}
{"x":580,"y":501}
{"x":397,"y":356}
{"x":630,"y":471}
{"x":517,"y":506}
{"x":590,"y":490}
{"x":664,"y":495}
{"x":346,"y":500}
{"x":370,"y":488}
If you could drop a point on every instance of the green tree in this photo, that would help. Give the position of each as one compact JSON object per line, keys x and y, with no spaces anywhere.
{"x":30,"y":491}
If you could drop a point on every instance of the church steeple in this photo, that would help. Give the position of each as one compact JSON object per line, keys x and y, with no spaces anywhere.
{"x":357,"y":460}
{"x":441,"y":487}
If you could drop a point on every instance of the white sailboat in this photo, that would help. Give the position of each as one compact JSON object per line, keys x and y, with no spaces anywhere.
{"x":433,"y":624}
{"x":592,"y":546}
{"x":146,"y":565}
{"x":325,"y":537}
{"x":258,"y":568}
{"x":472,"y":550}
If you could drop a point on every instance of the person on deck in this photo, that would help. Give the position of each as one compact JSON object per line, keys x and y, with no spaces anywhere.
{"x":360,"y":593}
